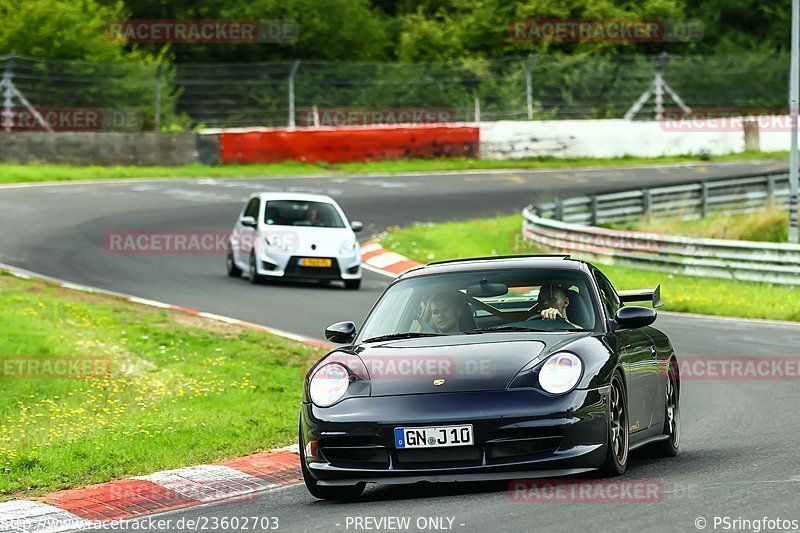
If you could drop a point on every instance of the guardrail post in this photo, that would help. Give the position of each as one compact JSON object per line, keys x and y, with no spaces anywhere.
{"x":594,"y":211}
{"x":703,"y":199}
{"x":647,"y":202}
{"x":770,"y":188}
{"x":559,"y":210}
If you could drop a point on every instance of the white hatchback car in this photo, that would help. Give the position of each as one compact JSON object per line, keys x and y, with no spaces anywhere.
{"x":292,"y":235}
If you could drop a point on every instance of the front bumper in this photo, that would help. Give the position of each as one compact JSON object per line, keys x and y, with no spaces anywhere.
{"x":519,"y":433}
{"x":284,"y":265}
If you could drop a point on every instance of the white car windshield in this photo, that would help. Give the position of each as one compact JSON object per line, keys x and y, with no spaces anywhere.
{"x":302,"y":213}
{"x":544,"y":300}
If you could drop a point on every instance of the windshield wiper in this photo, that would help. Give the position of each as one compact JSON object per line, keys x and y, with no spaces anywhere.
{"x":408,"y":335}
{"x":502,"y":329}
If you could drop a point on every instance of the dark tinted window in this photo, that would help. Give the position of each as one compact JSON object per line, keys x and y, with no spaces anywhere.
{"x":302,"y":213}
{"x":252,"y":209}
{"x":608,"y":296}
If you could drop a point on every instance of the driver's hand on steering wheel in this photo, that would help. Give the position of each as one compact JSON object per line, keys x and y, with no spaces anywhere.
{"x":551,"y":313}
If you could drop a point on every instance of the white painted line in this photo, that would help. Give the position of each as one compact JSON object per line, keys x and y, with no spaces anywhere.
{"x":27,"y":515}
{"x":151,"y":303}
{"x":19,"y":272}
{"x":484,"y":172}
{"x":376,"y":270}
{"x":207,"y":483}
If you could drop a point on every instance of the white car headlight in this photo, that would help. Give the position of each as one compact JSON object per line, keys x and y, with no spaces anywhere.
{"x":560,"y":373}
{"x":328,"y":384}
{"x":348,"y":246}
{"x":276,"y":244}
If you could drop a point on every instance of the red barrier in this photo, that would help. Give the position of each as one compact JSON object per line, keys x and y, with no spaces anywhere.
{"x":337,"y":145}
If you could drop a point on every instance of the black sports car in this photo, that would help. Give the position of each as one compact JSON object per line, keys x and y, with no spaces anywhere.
{"x":494,"y":368}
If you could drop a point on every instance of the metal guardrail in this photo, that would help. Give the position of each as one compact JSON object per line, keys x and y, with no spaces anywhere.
{"x":691,"y":200}
{"x":568,"y":225}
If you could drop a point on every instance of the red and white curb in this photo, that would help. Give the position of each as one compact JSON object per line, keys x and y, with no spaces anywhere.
{"x":89,"y":507}
{"x":376,"y":258}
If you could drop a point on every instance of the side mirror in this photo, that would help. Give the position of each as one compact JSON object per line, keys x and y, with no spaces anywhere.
{"x":356,"y":226}
{"x":341,"y":332}
{"x":249,"y":222}
{"x":633,"y":316}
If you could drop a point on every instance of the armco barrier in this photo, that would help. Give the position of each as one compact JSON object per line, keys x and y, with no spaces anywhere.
{"x":337,"y":145}
{"x":719,"y":258}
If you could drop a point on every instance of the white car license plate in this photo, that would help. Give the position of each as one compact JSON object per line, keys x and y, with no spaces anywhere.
{"x":433,"y":437}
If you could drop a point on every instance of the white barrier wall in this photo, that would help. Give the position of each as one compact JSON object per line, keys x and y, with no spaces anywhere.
{"x":613,"y":138}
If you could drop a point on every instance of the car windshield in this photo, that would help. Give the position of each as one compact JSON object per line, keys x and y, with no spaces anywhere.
{"x":302,"y":213}
{"x":478,"y":303}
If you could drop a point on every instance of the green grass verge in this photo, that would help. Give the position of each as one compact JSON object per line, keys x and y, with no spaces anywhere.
{"x":181,"y":390}
{"x":501,"y":236}
{"x":769,"y":224}
{"x":16,"y":173}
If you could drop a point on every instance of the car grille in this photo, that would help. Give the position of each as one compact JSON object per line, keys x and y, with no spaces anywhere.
{"x":515,"y":444}
{"x":438,"y":457}
{"x":354,"y":452}
{"x":503,"y":446}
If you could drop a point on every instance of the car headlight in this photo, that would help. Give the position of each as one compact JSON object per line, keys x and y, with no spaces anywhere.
{"x":560,"y":373}
{"x":276,"y":244}
{"x":329,"y":384}
{"x":348,"y":246}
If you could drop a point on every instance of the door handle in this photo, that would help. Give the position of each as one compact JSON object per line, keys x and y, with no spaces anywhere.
{"x":653,"y":351}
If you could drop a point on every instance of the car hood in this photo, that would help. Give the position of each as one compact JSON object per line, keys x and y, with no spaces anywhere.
{"x":463,"y":362}
{"x":309,"y":241}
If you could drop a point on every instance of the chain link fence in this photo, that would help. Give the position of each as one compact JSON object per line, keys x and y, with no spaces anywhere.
{"x":304,"y":93}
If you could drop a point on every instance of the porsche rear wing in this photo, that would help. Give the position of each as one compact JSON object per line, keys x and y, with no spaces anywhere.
{"x":642,"y":295}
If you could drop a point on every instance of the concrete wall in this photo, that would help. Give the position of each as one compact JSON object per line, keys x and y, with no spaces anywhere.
{"x":615,"y":138}
{"x":95,"y":148}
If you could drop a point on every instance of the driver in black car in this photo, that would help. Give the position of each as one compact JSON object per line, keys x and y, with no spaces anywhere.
{"x":445,"y":312}
{"x":553,"y":302}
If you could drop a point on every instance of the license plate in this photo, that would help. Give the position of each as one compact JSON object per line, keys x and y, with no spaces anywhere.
{"x":433,"y":437}
{"x":315,"y":262}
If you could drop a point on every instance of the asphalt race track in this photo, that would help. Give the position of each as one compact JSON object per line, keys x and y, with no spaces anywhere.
{"x":740,"y":454}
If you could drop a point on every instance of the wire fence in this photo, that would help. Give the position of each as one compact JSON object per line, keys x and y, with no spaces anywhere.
{"x":149,"y":96}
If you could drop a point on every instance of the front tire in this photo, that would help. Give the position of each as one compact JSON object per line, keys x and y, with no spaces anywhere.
{"x":322,"y":492}
{"x":672,"y":416}
{"x":353,"y":284}
{"x":618,"y":431}
{"x":255,"y":279}
{"x":233,"y":270}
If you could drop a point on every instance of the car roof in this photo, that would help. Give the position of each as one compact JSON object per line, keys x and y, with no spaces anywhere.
{"x":495,"y":263}
{"x":302,"y":196}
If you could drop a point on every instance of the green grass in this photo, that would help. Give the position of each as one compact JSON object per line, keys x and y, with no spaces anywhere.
{"x":16,"y":173}
{"x":181,"y":390}
{"x":769,"y":224}
{"x":501,"y":236}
